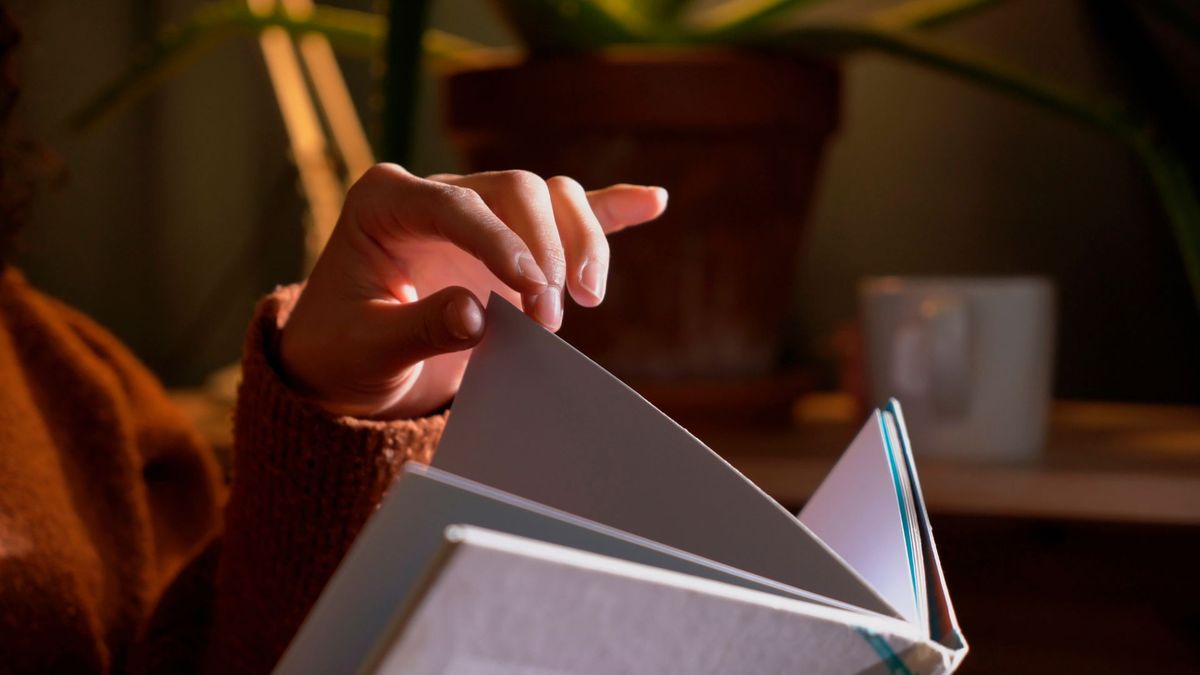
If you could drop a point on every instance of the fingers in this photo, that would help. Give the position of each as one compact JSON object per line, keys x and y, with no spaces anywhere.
{"x":564,"y":227}
{"x":536,"y":236}
{"x":583,"y":241}
{"x":522,"y":201}
{"x":449,"y":320}
{"x":394,"y":206}
{"x":621,"y":206}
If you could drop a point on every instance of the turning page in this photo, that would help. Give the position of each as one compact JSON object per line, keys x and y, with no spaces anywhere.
{"x":943,"y":623}
{"x":536,"y":418}
{"x":864,"y":510}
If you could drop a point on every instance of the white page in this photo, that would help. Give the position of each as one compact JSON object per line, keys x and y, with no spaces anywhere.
{"x":505,"y":604}
{"x":401,"y":539}
{"x":903,"y":474}
{"x":857,"y":511}
{"x":943,"y":623}
{"x":536,"y":418}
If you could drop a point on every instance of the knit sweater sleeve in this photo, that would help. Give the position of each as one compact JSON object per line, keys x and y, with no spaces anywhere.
{"x":304,"y":482}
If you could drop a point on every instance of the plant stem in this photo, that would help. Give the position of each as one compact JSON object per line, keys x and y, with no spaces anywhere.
{"x":350,"y":31}
{"x":402,"y":77}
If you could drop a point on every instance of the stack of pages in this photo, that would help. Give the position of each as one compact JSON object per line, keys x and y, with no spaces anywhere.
{"x":567,"y":526}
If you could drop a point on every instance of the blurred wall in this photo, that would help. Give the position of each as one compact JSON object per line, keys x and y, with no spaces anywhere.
{"x":182,"y":210}
{"x":177,"y":213}
{"x":932,"y":176}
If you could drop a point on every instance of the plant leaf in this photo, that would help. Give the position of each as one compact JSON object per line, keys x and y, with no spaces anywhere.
{"x":735,"y":19}
{"x":453,"y":51}
{"x":661,"y":11}
{"x":349,"y":31}
{"x":1175,"y":186}
{"x":843,"y":39}
{"x":1176,"y":189}
{"x":1185,"y":21}
{"x":927,"y":13}
{"x":171,"y":49}
{"x":549,"y":26}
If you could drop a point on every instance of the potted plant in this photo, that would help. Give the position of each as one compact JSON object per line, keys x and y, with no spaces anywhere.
{"x":727,"y":103}
{"x":736,"y":137}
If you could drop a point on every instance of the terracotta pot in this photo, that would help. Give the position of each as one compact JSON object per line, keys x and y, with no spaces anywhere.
{"x":704,"y":294}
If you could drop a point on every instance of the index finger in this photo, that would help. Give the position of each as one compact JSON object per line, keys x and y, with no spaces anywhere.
{"x":397,"y":205}
{"x":620,"y":206}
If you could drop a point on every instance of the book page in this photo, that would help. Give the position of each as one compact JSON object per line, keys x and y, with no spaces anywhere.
{"x":943,"y":623}
{"x":401,"y":540}
{"x":505,"y":604}
{"x":903,"y":472}
{"x":860,"y":511}
{"x":536,"y":418}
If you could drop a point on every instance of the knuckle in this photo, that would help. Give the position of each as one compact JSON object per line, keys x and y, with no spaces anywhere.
{"x":564,"y":184}
{"x":382,"y":173}
{"x":376,"y":180}
{"x":520,"y":179}
{"x":453,"y":195}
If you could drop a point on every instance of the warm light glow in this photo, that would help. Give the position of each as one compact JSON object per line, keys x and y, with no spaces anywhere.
{"x":323,"y":189}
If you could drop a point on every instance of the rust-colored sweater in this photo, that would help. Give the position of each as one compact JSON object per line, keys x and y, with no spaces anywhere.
{"x":119,"y":550}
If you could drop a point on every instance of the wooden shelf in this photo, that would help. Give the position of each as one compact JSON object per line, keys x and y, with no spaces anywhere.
{"x":1112,"y":462}
{"x":1103,"y":461}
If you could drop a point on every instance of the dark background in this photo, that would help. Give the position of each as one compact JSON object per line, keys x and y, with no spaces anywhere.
{"x":180,"y":212}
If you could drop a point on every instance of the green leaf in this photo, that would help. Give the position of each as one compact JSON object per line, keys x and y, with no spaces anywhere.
{"x":550,"y":26}
{"x":349,"y":31}
{"x":1176,"y":187}
{"x":835,"y":39}
{"x":661,"y":12}
{"x":173,"y":47}
{"x":733,"y":20}
{"x":1184,"y":21}
{"x":927,"y":13}
{"x":457,"y":51}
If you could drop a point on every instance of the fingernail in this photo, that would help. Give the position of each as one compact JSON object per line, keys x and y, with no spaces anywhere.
{"x":593,"y":276}
{"x":548,"y":308}
{"x":661,"y":193}
{"x":463,"y":318}
{"x":529,"y":269}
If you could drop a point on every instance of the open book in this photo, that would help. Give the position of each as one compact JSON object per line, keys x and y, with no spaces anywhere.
{"x":567,"y":526}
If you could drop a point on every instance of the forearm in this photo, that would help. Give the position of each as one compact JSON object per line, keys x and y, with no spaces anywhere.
{"x":304,"y":483}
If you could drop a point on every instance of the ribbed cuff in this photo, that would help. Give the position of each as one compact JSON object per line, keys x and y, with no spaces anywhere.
{"x":286,"y":421}
{"x":304,"y":483}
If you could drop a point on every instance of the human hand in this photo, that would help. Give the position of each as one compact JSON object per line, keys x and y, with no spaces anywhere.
{"x":385,"y":324}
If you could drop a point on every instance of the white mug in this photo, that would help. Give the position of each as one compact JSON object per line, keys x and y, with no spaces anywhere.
{"x":969,"y":358}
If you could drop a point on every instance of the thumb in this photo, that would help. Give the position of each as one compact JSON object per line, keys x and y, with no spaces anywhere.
{"x":450,"y":320}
